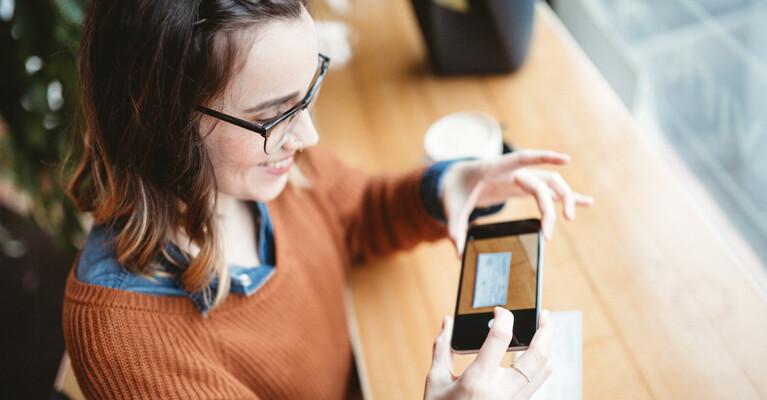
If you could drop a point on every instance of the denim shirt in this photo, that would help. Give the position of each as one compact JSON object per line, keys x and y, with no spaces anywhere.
{"x":98,"y":265}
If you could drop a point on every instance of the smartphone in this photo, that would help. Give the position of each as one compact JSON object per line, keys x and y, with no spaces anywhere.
{"x":502,"y":266}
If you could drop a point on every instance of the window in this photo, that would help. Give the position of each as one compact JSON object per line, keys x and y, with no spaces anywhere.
{"x":695,"y":70}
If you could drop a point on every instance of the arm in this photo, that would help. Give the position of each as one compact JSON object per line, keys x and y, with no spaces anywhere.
{"x":383,"y":213}
{"x":379,"y":213}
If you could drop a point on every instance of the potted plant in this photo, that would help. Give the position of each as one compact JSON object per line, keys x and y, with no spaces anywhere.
{"x":39,"y":42}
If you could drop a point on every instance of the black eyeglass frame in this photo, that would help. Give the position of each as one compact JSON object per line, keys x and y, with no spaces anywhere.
{"x":265,"y":130}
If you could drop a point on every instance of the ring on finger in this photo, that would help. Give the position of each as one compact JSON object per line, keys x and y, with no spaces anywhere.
{"x":513,"y":365}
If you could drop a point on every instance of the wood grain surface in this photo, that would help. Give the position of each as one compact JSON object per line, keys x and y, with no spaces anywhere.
{"x":673,"y":305}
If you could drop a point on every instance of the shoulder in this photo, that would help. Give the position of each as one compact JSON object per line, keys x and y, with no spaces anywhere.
{"x":98,"y":265}
{"x":322,"y":164}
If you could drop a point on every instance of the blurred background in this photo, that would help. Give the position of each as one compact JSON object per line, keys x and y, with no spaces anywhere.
{"x":39,"y":228}
{"x":693,"y":72}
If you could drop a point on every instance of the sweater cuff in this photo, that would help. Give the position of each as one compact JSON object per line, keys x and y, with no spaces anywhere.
{"x":431,"y":193}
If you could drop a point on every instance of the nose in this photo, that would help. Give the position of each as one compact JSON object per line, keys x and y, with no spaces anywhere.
{"x":303,"y":131}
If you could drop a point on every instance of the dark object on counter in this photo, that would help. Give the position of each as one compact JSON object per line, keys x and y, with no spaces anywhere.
{"x":493,"y":36}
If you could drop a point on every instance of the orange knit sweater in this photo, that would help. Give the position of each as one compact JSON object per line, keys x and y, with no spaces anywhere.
{"x":287,"y":340}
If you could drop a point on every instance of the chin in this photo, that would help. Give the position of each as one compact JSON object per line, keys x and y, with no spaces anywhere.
{"x":265,"y":192}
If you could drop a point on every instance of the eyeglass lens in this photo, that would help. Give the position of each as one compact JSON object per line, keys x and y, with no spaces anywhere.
{"x":278,"y":135}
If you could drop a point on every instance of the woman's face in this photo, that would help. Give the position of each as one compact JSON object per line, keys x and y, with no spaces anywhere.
{"x":280,"y":65}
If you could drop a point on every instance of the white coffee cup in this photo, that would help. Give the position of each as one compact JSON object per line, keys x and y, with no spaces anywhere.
{"x":463,"y":134}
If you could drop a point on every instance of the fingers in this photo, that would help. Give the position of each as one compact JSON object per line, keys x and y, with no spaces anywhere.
{"x":543,"y":196}
{"x":505,"y":177}
{"x":441,"y":374}
{"x":458,"y":236}
{"x":535,"y":360}
{"x":442,"y":359}
{"x":457,"y":227}
{"x":498,"y":340}
{"x":536,"y":382}
{"x":583,"y":200}
{"x":525,"y":158}
{"x":458,"y":222}
{"x":442,"y":350}
{"x":566,"y":195}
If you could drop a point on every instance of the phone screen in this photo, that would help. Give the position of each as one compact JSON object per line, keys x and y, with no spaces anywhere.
{"x":500,"y":268}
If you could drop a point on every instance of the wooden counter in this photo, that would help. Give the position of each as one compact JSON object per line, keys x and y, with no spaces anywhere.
{"x":673,"y":306}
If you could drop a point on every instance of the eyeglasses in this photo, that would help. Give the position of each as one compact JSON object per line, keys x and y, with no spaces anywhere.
{"x":275,"y":132}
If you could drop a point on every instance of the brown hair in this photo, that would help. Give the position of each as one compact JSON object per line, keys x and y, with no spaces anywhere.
{"x":145,"y":65}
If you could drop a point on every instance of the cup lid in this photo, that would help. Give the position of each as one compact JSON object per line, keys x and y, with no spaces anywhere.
{"x":463,"y":134}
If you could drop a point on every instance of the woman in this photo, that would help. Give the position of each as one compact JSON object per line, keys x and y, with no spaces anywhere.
{"x":204,"y":276}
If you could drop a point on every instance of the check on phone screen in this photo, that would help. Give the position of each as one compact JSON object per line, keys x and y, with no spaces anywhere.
{"x":492,"y":283}
{"x":505,"y":278}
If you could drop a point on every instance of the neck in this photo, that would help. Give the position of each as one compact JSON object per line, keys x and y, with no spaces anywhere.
{"x":225,"y":206}
{"x":237,"y":228}
{"x":237,"y":232}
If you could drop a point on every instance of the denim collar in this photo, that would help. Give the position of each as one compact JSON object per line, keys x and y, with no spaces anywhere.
{"x":244,"y":280}
{"x":99,"y":266}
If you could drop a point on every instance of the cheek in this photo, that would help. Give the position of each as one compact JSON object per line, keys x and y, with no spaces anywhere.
{"x":235,"y":158}
{"x":233,"y":154}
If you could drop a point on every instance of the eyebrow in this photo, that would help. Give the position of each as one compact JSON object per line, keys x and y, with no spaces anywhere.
{"x":271,"y":103}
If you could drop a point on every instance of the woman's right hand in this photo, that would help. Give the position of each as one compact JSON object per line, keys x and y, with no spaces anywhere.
{"x":484,"y":378}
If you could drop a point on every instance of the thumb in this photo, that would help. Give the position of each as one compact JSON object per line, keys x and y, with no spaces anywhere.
{"x":457,"y":230}
{"x":458,"y":222}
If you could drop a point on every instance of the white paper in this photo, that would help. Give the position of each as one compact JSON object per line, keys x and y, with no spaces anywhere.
{"x":492,"y":283}
{"x":566,"y":380}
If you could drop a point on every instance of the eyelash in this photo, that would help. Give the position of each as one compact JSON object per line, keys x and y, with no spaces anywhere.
{"x":264,"y":121}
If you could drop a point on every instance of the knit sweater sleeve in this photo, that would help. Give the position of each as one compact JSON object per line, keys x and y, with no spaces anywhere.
{"x":380,"y":213}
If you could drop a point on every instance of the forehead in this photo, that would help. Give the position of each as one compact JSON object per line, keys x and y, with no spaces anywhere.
{"x":279,"y":59}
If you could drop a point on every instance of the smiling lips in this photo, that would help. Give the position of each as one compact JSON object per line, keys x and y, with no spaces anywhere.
{"x":277,"y":167}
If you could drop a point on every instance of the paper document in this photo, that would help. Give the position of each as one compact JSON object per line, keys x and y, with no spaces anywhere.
{"x":566,"y":380}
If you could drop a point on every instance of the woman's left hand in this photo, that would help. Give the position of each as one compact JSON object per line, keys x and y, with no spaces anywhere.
{"x":482,"y":183}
